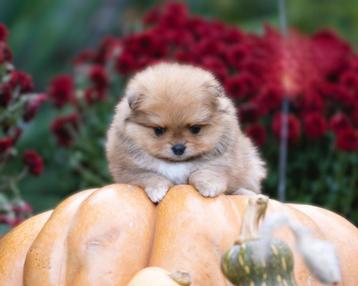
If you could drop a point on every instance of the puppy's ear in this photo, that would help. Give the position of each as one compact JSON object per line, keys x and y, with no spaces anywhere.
{"x":134,"y":100}
{"x":214,"y":88}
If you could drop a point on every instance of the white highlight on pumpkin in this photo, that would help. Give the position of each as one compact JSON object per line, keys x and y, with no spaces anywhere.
{"x":319,"y":255}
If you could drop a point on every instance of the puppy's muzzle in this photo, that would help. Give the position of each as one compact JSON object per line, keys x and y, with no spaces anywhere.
{"x":178,"y":149}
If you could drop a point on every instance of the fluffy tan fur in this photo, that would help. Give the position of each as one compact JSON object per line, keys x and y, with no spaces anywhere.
{"x":218,"y":159}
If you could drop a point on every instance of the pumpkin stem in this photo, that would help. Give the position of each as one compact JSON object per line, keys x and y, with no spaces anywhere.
{"x":180,"y":277}
{"x":254,"y":213}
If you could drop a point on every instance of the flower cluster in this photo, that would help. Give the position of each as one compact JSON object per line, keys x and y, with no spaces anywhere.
{"x":18,"y":105}
{"x":318,"y":74}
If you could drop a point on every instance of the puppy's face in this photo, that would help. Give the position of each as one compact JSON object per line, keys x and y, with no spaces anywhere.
{"x":174,"y":112}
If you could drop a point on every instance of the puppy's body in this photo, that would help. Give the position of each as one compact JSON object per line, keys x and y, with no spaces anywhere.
{"x":171,"y":107}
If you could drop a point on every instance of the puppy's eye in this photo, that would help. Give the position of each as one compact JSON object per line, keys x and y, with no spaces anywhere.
{"x":159,"y":131}
{"x":195,"y":129}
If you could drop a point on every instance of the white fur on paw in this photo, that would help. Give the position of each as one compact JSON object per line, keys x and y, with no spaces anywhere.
{"x":156,"y":193}
{"x":210,"y":188}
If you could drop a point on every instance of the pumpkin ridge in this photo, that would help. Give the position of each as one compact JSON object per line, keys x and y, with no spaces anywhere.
{"x":53,"y":237}
{"x":109,"y":240}
{"x":14,"y":246}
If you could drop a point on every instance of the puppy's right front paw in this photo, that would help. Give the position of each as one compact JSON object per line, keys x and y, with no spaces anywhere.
{"x":157,"y":192}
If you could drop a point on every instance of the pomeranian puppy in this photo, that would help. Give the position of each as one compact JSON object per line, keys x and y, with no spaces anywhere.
{"x":175,"y":125}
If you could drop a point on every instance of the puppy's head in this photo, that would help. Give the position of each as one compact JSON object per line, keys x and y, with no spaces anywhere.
{"x":177,"y":112}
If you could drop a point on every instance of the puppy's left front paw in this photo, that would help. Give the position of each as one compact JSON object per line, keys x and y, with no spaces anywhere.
{"x":156,"y":192}
{"x":208,"y":186}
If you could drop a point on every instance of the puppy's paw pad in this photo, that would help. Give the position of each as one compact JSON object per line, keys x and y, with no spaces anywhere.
{"x":156,"y":193}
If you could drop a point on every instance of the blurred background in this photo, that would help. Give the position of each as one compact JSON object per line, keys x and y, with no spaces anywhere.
{"x":46,"y":36}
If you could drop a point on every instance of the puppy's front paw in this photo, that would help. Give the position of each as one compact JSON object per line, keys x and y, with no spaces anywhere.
{"x":156,"y":192}
{"x":208,"y":186}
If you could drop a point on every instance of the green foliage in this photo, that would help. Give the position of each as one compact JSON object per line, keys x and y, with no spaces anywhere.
{"x":45,"y":35}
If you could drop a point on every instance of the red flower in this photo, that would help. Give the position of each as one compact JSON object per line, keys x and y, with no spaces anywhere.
{"x":17,"y":134}
{"x":339,"y":122}
{"x":294,"y":127}
{"x":84,"y":57}
{"x":330,"y":53}
{"x":32,"y":107}
{"x":216,"y":66}
{"x":248,"y":112}
{"x":241,"y":85}
{"x":174,"y":15}
{"x":64,"y":127}
{"x":347,"y":140}
{"x":315,"y":125}
{"x":349,"y":79}
{"x":184,"y":56}
{"x":236,"y":54}
{"x":61,"y":90}
{"x":354,"y":115}
{"x":257,"y":133}
{"x":3,"y":33}
{"x":34,"y":162}
{"x":269,"y":99}
{"x":92,"y":95}
{"x":345,"y":97}
{"x":5,"y":94}
{"x":98,"y":76}
{"x":5,"y":53}
{"x":312,"y":101}
{"x":5,"y":144}
{"x":22,"y":80}
{"x":107,"y":49}
{"x":125,"y":63}
{"x":21,"y":207}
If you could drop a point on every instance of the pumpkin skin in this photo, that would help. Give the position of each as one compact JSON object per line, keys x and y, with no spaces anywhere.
{"x":155,"y":276}
{"x":106,"y":236}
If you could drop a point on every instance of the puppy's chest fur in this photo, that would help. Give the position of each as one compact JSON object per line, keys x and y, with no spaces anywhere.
{"x":176,"y":172}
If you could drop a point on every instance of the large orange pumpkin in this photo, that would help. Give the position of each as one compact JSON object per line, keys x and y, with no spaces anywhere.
{"x":105,"y":236}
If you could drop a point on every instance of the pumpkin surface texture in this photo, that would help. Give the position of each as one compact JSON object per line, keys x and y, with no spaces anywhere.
{"x":106,"y":236}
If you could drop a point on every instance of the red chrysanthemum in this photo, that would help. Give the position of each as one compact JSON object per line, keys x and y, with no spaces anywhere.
{"x":241,"y":85}
{"x":5,"y":94}
{"x":339,"y":122}
{"x":64,"y":129}
{"x":347,"y":140}
{"x":5,"y":144}
{"x":98,"y":76}
{"x":93,"y":95}
{"x":294,"y":127}
{"x":216,"y":66}
{"x":32,"y":107}
{"x":34,"y":162}
{"x":314,"y":125}
{"x":248,"y":112}
{"x":3,"y":32}
{"x":126,"y":63}
{"x":236,"y":54}
{"x":16,"y":134}
{"x":312,"y":101}
{"x":21,"y":208}
{"x":61,"y":90}
{"x":85,"y":57}
{"x":269,"y":99}
{"x":21,"y":80}
{"x":257,"y":133}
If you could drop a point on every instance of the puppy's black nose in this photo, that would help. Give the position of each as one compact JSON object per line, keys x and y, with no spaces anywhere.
{"x":178,"y":149}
